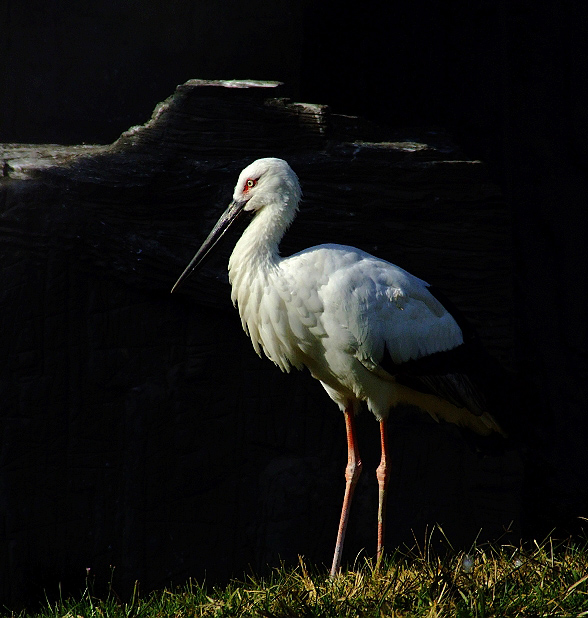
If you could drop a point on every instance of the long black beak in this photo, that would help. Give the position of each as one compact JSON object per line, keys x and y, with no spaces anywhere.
{"x":231,"y":214}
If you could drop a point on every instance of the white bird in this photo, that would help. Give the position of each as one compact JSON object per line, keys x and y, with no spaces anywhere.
{"x":366,"y":329}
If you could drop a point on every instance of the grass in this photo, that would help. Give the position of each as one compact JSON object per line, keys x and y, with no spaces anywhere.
{"x":547,"y":579}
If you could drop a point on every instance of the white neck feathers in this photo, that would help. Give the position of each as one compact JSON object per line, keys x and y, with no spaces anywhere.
{"x":259,"y":288}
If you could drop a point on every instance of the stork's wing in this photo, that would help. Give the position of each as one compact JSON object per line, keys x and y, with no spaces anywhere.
{"x":390,"y":314}
{"x":405,"y":329}
{"x":466,"y":375}
{"x":461,"y":375}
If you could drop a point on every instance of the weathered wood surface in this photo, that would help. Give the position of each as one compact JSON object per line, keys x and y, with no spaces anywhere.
{"x":139,"y":429}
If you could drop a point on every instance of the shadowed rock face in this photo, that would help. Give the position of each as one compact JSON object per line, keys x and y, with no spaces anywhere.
{"x":139,"y":429}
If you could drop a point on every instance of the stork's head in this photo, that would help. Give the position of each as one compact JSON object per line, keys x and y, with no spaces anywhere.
{"x":263,"y":183}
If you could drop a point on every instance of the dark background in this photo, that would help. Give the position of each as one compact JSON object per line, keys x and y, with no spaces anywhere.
{"x":506,"y":79}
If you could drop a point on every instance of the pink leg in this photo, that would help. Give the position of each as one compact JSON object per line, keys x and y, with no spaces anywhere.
{"x":383,"y":474}
{"x":352,"y":472}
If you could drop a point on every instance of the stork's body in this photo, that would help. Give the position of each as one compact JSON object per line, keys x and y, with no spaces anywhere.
{"x":366,"y":329}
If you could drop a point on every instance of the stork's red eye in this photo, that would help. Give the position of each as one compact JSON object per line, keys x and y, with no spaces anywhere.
{"x":251,"y":182}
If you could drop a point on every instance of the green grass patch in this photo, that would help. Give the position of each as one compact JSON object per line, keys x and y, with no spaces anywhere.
{"x":547,"y":579}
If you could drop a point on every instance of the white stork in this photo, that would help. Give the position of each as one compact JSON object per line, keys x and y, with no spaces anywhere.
{"x":366,"y":329}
